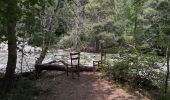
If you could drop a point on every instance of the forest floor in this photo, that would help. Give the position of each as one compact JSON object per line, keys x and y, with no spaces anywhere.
{"x":90,"y":86}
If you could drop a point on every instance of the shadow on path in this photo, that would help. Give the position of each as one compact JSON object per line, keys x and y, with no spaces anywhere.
{"x":57,"y":86}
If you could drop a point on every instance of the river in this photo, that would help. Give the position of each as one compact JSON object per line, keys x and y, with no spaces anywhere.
{"x":30,"y":58}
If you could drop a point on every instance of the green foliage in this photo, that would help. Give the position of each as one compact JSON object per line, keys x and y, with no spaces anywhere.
{"x":163,"y":96}
{"x":114,"y":50}
{"x":38,"y":39}
{"x":128,"y":38}
{"x":134,"y":65}
{"x":65,"y":42}
{"x":121,"y":69}
{"x":24,"y":90}
{"x":106,"y":39}
{"x":122,"y":21}
{"x":143,"y":47}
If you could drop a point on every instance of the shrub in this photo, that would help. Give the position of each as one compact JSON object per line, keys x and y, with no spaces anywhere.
{"x":117,"y":71}
{"x":135,"y":68}
{"x":65,"y":42}
{"x":163,"y":96}
{"x":144,"y":48}
{"x":107,"y":38}
{"x":24,"y":90}
{"x":114,"y":50}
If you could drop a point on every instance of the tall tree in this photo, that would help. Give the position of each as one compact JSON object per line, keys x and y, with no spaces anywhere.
{"x":168,"y":70}
{"x":78,"y":22}
{"x":11,"y":21}
{"x":11,"y":13}
{"x":164,"y":10}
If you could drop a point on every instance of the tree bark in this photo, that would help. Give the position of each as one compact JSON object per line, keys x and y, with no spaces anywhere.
{"x":12,"y":47}
{"x":135,"y":20}
{"x":97,"y":44}
{"x":78,"y":23}
{"x":42,"y":56}
{"x":167,"y":73}
{"x":60,"y":67}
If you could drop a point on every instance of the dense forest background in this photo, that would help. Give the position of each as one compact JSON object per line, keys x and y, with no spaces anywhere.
{"x":138,"y":30}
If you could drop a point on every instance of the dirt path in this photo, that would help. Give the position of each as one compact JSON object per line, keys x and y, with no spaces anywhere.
{"x":57,"y":86}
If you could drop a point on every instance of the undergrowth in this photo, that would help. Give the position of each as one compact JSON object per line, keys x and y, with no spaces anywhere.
{"x":24,"y":89}
{"x":137,"y":73}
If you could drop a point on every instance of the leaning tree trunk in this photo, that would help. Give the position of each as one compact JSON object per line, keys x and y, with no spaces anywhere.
{"x":42,"y":56}
{"x":50,"y":20}
{"x":12,"y":47}
{"x":167,"y":73}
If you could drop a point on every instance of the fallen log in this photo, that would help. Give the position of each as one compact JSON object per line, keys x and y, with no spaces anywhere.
{"x":57,"y":67}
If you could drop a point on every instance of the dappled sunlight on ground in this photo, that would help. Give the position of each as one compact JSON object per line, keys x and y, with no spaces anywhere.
{"x":57,"y":86}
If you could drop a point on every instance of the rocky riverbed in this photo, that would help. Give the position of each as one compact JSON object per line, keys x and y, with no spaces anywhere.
{"x":30,"y":58}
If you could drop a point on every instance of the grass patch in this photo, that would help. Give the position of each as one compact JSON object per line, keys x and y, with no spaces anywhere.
{"x":163,"y":96}
{"x":24,"y":89}
{"x":114,"y":50}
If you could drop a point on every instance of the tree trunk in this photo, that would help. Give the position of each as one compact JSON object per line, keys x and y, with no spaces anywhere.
{"x":97,"y":44}
{"x":135,"y":21}
{"x":167,"y":73}
{"x":12,"y":47}
{"x":79,"y":24}
{"x":42,"y":56}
